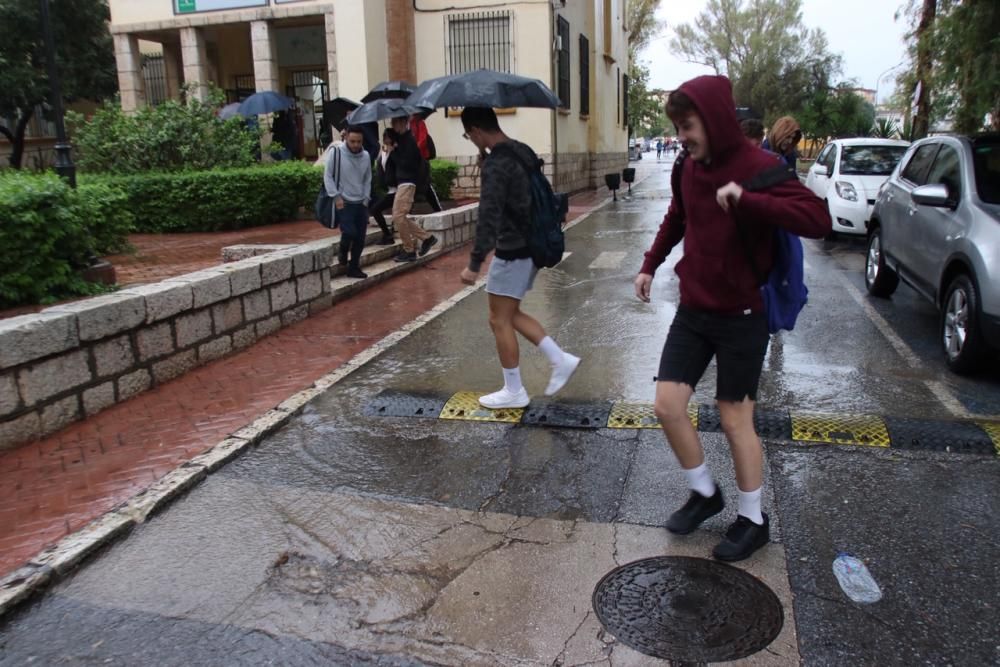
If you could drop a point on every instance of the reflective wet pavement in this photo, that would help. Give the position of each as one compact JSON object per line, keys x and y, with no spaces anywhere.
{"x":350,"y":539}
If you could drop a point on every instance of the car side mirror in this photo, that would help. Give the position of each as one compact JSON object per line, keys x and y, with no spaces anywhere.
{"x":932,"y":194}
{"x":821,"y":170}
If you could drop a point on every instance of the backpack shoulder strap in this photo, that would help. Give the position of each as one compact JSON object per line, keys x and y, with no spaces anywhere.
{"x":675,"y":178}
{"x":336,"y":168}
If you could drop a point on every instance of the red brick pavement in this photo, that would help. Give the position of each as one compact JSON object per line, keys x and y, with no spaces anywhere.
{"x":57,"y":485}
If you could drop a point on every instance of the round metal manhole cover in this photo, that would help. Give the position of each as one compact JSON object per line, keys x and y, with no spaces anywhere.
{"x":688,"y":609}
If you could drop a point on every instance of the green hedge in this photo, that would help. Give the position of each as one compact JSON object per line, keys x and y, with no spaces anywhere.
{"x":48,"y":232}
{"x":443,"y":175}
{"x":218,"y":199}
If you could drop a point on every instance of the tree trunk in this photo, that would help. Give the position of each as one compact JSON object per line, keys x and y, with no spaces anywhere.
{"x":17,"y":138}
{"x":922,"y":118}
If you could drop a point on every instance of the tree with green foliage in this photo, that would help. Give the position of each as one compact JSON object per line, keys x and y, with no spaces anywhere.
{"x":776,"y":64}
{"x":84,"y":59}
{"x":644,"y":108}
{"x":642,"y":25}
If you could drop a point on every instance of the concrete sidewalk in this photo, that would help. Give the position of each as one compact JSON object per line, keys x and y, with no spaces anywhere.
{"x":55,"y":486}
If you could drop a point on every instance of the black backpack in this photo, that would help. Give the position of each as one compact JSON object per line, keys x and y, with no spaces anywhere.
{"x":546,"y":239}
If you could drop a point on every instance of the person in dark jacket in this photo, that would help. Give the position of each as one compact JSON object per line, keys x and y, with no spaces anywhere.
{"x":409,"y":165}
{"x":418,"y":126}
{"x":783,"y":139}
{"x":721,"y":311}
{"x":385,"y":175}
{"x":504,"y":216}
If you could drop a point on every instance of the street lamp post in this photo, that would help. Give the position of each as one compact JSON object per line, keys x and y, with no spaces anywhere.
{"x":64,"y":161}
{"x":879,"y":80}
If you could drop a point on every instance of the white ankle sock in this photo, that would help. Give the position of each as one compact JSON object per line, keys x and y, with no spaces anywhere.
{"x":551,"y":350}
{"x":512,"y":379}
{"x":700,"y":480}
{"x":750,"y":506}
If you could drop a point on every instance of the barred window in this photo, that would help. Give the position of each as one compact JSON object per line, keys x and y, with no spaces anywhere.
{"x":584,"y":75}
{"x":154,"y":75}
{"x":562,"y":29}
{"x":479,"y":40}
{"x":625,"y":100}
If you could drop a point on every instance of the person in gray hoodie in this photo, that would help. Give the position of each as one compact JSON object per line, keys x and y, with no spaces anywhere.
{"x":504,"y":222}
{"x":348,"y":180}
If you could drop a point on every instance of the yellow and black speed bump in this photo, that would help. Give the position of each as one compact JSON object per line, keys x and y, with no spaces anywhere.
{"x":865,"y":430}
{"x":971,"y":437}
{"x":392,"y":403}
{"x":963,"y":437}
{"x":465,"y":406}
{"x":547,"y":412}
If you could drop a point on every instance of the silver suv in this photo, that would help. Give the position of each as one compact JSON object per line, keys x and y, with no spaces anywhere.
{"x":936,"y":225}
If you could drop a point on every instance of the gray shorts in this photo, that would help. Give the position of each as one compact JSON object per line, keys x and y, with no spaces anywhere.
{"x":511,"y":277}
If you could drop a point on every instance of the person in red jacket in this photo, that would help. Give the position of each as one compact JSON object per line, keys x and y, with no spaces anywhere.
{"x":721,"y":311}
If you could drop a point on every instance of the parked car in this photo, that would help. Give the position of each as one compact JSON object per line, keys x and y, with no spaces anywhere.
{"x":936,"y":225}
{"x":848,"y":173}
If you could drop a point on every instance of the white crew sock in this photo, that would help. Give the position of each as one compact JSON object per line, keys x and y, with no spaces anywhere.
{"x":750,"y":506}
{"x":700,"y":480}
{"x":512,"y":379}
{"x":551,"y":350}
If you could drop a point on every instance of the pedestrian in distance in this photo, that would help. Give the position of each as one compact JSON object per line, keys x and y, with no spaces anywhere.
{"x":721,"y":312}
{"x":505,"y":210}
{"x":784,"y":139}
{"x":410,"y":166}
{"x":659,"y":148}
{"x":348,"y":178}
{"x":385,"y":176}
{"x":753,"y":130}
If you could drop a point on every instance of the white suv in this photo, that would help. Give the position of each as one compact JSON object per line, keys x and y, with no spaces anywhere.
{"x":847,"y":175}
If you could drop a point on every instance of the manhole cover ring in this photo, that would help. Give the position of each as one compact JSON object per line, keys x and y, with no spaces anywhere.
{"x":688,"y":609}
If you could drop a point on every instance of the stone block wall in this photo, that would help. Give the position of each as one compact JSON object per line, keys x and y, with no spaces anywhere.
{"x":577,"y":171}
{"x":71,"y":361}
{"x":606,"y":163}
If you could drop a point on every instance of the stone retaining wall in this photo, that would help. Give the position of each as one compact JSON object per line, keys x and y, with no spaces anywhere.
{"x":71,"y":361}
{"x":577,"y":171}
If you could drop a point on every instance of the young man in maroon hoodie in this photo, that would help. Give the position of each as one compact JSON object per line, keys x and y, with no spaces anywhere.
{"x":721,"y":311}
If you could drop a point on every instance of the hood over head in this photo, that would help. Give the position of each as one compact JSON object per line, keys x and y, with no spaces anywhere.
{"x":713,"y":96}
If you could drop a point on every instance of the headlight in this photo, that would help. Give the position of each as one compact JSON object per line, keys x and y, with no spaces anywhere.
{"x":846,"y":191}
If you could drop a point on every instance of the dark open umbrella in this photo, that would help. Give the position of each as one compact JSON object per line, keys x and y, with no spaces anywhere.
{"x":267,"y":101}
{"x":389,"y":90}
{"x":381,"y":109}
{"x":483,"y":88}
{"x":335,"y":111}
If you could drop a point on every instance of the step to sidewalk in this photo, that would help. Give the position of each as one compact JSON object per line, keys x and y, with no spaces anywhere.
{"x":372,"y":254}
{"x":343,"y":287}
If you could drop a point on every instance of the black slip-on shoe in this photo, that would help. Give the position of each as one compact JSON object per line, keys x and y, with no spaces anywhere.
{"x":428,"y":243}
{"x":695,"y":511}
{"x":742,"y":539}
{"x":386,"y":240}
{"x":405,"y":257}
{"x":356,"y":273}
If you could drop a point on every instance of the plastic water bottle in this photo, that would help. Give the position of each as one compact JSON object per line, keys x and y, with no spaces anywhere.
{"x":855,"y":579}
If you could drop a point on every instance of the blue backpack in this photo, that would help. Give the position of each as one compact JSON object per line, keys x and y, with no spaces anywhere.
{"x":546,"y":239}
{"x":784,"y":290}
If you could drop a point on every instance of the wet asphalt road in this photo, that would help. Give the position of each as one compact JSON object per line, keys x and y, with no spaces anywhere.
{"x":347,"y":539}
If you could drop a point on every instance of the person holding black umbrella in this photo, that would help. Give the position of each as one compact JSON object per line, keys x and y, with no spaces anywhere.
{"x":410,"y":171}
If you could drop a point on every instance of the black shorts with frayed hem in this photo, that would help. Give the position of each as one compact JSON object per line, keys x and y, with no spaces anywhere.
{"x":738,"y":343}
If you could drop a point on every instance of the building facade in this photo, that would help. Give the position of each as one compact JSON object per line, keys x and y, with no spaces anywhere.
{"x":316,"y":50}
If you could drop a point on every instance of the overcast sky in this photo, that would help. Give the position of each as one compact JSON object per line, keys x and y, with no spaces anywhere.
{"x":863,"y":31}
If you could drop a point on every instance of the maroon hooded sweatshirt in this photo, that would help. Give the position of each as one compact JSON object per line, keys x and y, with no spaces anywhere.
{"x":715,"y":272}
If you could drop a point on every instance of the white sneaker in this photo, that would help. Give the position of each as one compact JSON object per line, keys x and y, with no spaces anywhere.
{"x":561,"y":373}
{"x":505,"y":399}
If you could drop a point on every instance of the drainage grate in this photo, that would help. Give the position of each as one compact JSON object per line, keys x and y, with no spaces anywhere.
{"x":632,"y":415}
{"x":573,"y":415}
{"x":688,"y":609}
{"x":961,"y":437}
{"x":465,"y":406}
{"x":866,"y":430}
{"x":773,"y":424}
{"x":393,"y":403}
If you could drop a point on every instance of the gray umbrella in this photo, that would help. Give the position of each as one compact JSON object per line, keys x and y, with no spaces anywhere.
{"x":267,"y":101}
{"x":381,"y":109}
{"x":483,"y":88}
{"x":389,"y":90}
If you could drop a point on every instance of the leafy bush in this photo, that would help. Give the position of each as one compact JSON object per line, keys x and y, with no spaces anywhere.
{"x":217,"y":199}
{"x":48,"y":232}
{"x":171,"y":136}
{"x":443,"y":174}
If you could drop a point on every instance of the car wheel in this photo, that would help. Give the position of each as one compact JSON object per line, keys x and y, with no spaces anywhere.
{"x":832,"y":236}
{"x":963,"y":344}
{"x":879,"y":278}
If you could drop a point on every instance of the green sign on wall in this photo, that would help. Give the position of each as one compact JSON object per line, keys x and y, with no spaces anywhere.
{"x":192,"y":6}
{"x":184,"y":6}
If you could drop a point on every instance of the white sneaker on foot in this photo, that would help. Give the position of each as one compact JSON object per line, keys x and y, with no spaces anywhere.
{"x":561,"y":373}
{"x":505,"y":399}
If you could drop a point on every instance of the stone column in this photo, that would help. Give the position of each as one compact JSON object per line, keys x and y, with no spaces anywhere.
{"x":400,"y":27}
{"x":130,"y":81}
{"x":195,"y":62}
{"x":172,"y":69}
{"x":331,"y":55}
{"x":265,"y":56}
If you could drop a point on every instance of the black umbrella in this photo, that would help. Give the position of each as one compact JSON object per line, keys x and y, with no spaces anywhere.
{"x":335,"y":111}
{"x":483,"y":88}
{"x":381,"y":109}
{"x":389,"y":90}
